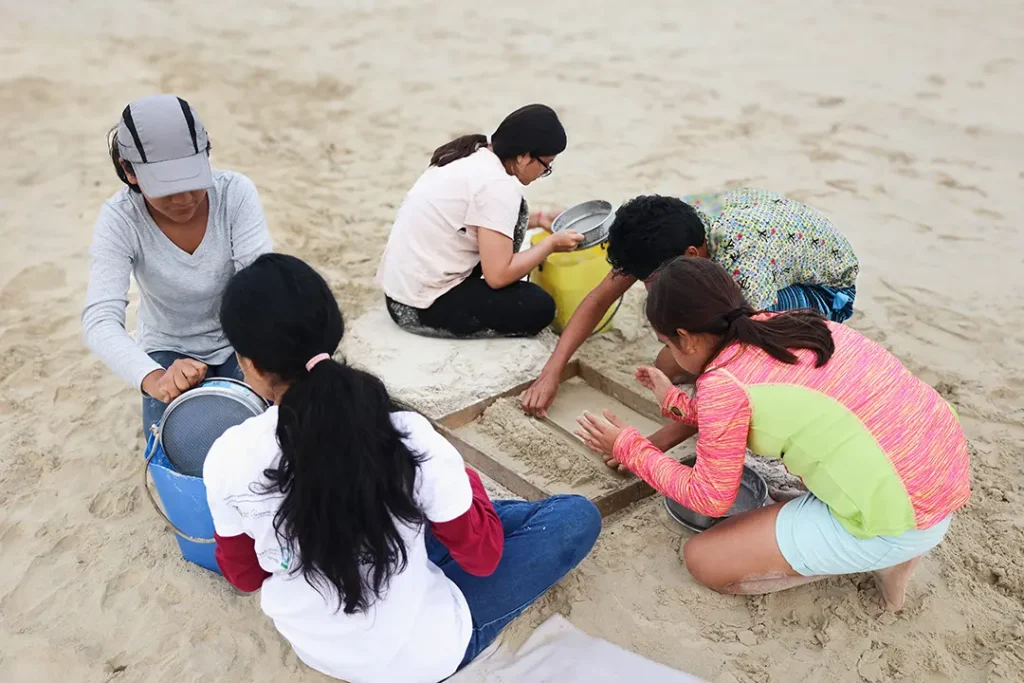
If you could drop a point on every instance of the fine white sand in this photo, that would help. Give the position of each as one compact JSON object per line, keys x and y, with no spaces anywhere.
{"x":900,"y":120}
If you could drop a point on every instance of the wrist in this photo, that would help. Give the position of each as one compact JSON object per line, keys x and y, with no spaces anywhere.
{"x":552,"y":369}
{"x":622,"y":446}
{"x":150,"y":381}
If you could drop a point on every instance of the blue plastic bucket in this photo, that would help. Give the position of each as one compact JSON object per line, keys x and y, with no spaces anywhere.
{"x":189,"y":427}
{"x":183,"y":499}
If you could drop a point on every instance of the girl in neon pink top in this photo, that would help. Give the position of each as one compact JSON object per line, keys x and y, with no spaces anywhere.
{"x":881,"y":453}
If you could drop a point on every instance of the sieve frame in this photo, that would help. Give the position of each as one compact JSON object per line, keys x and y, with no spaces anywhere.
{"x":574,"y":214}
{"x":258,"y":405}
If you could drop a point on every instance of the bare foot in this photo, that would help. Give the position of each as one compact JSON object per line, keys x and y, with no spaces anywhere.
{"x":892,"y":583}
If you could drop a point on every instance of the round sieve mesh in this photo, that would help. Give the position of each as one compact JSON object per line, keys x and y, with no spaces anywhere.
{"x":192,"y":426}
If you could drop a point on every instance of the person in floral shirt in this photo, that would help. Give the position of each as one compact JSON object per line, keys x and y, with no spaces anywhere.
{"x":783,"y":254}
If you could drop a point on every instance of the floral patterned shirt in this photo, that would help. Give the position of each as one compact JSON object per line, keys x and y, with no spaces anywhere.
{"x":768,"y":242}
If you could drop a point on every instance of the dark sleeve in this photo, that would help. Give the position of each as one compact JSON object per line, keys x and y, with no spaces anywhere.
{"x":476,"y":538}
{"x":236,"y":557}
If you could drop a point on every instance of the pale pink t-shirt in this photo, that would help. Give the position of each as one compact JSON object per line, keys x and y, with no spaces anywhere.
{"x":433,"y":242}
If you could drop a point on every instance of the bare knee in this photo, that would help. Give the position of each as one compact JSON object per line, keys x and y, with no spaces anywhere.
{"x":667,"y":364}
{"x":701,"y":565}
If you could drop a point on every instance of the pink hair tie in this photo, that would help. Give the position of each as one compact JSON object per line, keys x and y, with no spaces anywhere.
{"x":311,"y":363}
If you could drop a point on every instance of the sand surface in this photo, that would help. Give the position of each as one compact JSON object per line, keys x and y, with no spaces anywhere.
{"x":539,"y":451}
{"x":900,"y":120}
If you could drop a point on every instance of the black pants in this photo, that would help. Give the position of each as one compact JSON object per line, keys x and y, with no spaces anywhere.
{"x":474,"y":309}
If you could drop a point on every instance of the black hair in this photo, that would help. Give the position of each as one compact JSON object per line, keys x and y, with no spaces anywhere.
{"x":650,"y":230}
{"x":346,"y":477}
{"x":533,"y":129}
{"x":122,"y":166}
{"x":699,"y":296}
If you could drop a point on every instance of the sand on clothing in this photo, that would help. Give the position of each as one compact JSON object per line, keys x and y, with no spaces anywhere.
{"x":900,"y":120}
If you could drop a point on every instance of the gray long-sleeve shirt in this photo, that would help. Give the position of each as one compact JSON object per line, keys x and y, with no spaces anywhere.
{"x":180,"y":293}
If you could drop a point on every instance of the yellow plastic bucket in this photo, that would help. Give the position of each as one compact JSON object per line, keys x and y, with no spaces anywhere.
{"x":568,"y":277}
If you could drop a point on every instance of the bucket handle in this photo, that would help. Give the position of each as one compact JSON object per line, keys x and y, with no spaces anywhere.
{"x":150,"y":452}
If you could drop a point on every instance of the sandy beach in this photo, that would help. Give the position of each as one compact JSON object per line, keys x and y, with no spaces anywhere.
{"x":901,"y":121}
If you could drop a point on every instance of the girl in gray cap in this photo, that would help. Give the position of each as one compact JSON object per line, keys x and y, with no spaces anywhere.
{"x":182,"y":230}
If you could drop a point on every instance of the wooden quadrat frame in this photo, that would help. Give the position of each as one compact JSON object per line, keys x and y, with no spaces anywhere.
{"x":479,"y":458}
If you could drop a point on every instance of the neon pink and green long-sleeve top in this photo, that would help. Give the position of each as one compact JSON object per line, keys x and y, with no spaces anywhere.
{"x":880,"y":447}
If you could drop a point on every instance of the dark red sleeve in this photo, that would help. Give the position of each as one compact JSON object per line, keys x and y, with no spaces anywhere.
{"x":476,"y":538}
{"x":236,"y":557}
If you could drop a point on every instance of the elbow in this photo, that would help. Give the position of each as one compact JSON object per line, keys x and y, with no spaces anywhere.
{"x":246,"y":585}
{"x":496,"y":281}
{"x":484,"y":567}
{"x":714,"y":508}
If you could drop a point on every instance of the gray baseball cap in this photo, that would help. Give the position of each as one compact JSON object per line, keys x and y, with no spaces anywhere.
{"x":166,"y":143}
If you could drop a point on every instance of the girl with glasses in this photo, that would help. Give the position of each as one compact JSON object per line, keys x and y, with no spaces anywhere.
{"x":453,"y":266}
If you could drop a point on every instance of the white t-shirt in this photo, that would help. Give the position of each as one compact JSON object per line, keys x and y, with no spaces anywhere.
{"x":418,"y":630}
{"x":433,"y":243}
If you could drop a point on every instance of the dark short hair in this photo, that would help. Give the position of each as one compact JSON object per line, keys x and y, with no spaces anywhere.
{"x":650,"y":230}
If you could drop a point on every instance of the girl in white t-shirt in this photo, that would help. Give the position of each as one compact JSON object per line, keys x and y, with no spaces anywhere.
{"x":452,"y":266}
{"x":379,"y":555}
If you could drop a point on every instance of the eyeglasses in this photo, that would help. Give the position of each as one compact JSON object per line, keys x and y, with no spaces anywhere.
{"x":548,"y":170}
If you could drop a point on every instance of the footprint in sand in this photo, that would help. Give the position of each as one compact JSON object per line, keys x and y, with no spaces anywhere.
{"x":31,"y":286}
{"x":115,"y":501}
{"x":37,"y":597}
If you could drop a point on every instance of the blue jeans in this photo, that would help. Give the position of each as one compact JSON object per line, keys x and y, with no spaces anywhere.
{"x":544,"y":541}
{"x":153,"y":410}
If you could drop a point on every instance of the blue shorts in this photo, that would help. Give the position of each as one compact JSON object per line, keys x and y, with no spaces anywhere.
{"x":816,"y":544}
{"x":834,"y":303}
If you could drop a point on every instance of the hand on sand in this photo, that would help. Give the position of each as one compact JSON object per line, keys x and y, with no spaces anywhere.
{"x":167,"y":385}
{"x":655,"y":380}
{"x":599,"y":435}
{"x":565,"y":240}
{"x":541,"y":394}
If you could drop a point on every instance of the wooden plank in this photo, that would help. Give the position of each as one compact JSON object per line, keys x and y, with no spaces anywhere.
{"x":621,"y":393}
{"x":607,"y":503}
{"x":464,"y":416}
{"x":508,"y":478}
{"x":613,"y":501}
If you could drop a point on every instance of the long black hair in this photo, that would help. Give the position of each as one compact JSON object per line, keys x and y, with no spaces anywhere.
{"x":697,"y":295}
{"x":533,"y":129}
{"x":346,"y":477}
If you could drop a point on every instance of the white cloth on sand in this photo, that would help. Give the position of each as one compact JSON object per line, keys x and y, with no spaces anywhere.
{"x":559,"y":652}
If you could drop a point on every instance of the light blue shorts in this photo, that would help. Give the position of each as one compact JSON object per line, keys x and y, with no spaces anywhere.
{"x":816,"y":544}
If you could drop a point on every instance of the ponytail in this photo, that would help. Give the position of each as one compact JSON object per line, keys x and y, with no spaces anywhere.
{"x":697,"y":295}
{"x":346,"y":478}
{"x":781,"y":332}
{"x":458,"y":148}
